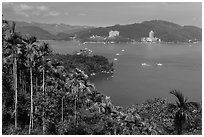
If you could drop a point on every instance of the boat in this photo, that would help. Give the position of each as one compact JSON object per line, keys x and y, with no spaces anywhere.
{"x":145,"y":64}
{"x":159,"y":64}
{"x":115,"y":59}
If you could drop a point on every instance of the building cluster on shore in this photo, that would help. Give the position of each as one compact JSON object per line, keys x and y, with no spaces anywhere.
{"x":114,"y":34}
{"x":151,"y":38}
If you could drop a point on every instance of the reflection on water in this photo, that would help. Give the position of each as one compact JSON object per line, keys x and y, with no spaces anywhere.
{"x":144,"y":71}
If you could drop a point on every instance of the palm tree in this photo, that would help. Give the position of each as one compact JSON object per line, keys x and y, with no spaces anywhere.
{"x":15,"y":75}
{"x":31,"y":62}
{"x":44,"y":51}
{"x":182,"y":109}
{"x":12,"y":44}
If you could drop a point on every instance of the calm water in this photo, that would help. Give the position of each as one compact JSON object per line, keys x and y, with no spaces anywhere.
{"x":144,"y":71}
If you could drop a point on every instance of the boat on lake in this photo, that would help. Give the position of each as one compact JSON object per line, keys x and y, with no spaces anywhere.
{"x":145,"y":64}
{"x":159,"y":64}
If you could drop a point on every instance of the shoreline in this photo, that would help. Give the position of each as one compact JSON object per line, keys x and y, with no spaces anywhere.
{"x":134,"y":42}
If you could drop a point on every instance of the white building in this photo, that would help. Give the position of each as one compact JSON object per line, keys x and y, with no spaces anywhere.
{"x":113,"y":33}
{"x":151,"y":34}
{"x":151,"y":38}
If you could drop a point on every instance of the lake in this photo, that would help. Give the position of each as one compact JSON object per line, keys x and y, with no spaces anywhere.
{"x":145,"y":71}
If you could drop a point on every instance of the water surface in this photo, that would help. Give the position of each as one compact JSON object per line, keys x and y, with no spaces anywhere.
{"x":144,"y":71}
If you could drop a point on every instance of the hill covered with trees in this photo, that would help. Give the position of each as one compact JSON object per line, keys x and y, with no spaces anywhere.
{"x":166,"y":31}
{"x":89,"y":64}
{"x":54,"y":29}
{"x":48,"y":31}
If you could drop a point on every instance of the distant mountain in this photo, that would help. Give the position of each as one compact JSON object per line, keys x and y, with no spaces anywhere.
{"x":54,"y":29}
{"x":63,"y":36}
{"x":49,"y":31}
{"x":60,"y":28}
{"x":43,"y":34}
{"x":166,"y":31}
{"x":35,"y":31}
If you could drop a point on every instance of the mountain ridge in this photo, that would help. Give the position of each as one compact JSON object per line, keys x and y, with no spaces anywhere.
{"x":166,"y":31}
{"x":54,"y":29}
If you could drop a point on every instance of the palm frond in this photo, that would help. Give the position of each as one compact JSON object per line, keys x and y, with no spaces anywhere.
{"x":186,"y":99}
{"x":178,"y":104}
{"x":179,"y":96}
{"x":194,"y":104}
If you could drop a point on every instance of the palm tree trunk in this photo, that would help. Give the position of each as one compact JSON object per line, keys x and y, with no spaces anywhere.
{"x":36,"y":84}
{"x":76,"y":110}
{"x":44,"y":100}
{"x":31,"y":102}
{"x":24,"y":84}
{"x":62,"y":109}
{"x":15,"y":88}
{"x":19,"y":77}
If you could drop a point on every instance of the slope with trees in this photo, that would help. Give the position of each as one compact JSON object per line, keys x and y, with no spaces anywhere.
{"x":90,"y":64}
{"x":166,"y":31}
{"x":39,"y":96}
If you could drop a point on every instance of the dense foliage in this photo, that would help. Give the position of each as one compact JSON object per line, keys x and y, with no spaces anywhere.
{"x":42,"y":96}
{"x":90,"y":64}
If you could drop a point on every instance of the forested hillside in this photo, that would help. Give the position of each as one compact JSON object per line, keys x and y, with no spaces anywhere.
{"x":49,"y":31}
{"x":54,"y":29}
{"x":166,"y":31}
{"x":40,"y":96}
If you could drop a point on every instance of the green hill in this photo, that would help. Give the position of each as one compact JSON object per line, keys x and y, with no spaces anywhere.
{"x":35,"y":31}
{"x":49,"y":31}
{"x":166,"y":31}
{"x":54,"y":29}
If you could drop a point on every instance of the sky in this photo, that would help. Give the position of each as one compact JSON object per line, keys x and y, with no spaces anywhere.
{"x":103,"y":13}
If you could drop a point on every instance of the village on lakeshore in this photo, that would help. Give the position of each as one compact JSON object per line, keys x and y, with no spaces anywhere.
{"x":114,"y":37}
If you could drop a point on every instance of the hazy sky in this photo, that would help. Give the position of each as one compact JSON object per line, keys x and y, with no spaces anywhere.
{"x":104,"y":14}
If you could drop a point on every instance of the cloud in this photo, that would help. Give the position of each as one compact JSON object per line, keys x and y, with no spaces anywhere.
{"x":23,"y":9}
{"x":35,"y":13}
{"x":7,"y":8}
{"x":42,"y":8}
{"x":52,"y":13}
{"x":27,"y":10}
{"x":7,"y":4}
